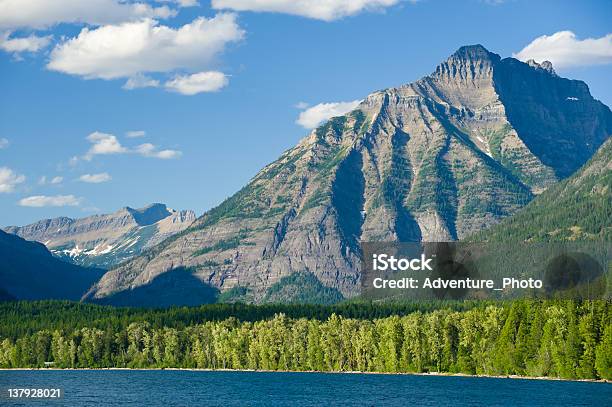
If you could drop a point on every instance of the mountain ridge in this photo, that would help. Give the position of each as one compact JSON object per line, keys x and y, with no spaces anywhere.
{"x":577,"y":208}
{"x":437,"y":159}
{"x":28,"y":271}
{"x":107,"y":239}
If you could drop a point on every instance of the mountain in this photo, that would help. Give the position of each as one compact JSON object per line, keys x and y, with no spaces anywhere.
{"x":435,"y":160}
{"x":106,"y":240}
{"x":29,"y":271}
{"x":577,"y":208}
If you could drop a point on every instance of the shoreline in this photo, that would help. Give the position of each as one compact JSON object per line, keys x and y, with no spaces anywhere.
{"x":435,"y":374}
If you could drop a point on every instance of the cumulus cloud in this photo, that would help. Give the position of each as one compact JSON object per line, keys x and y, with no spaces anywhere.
{"x":32,"y":43}
{"x":326,"y":10}
{"x":136,"y":133}
{"x":103,"y":143}
{"x":95,"y":178}
{"x":38,"y":14}
{"x":301,"y":105}
{"x":40,"y":201}
{"x":9,"y":179}
{"x":312,"y":117}
{"x":563,"y":49}
{"x":132,"y":48}
{"x":139,"y":81}
{"x":56,"y":180}
{"x":197,"y":83}
{"x":106,"y":144}
{"x":150,"y":150}
{"x":3,"y":143}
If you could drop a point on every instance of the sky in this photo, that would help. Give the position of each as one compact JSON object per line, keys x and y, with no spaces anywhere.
{"x":113,"y":103}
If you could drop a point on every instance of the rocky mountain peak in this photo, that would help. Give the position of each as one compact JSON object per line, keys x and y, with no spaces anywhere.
{"x":474,"y":53}
{"x":544,"y":66}
{"x":150,"y":214}
{"x":435,"y":160}
{"x":468,"y":62}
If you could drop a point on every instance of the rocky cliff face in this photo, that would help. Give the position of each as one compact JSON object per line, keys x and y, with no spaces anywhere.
{"x":435,"y":160}
{"x":106,"y":240}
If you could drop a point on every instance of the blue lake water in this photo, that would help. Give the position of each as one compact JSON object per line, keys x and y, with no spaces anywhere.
{"x":204,"y":388}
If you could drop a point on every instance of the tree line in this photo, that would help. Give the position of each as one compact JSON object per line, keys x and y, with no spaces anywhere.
{"x":565,"y":339}
{"x":69,"y":315}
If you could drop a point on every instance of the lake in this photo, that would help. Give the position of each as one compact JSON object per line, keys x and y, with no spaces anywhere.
{"x":222,"y":388}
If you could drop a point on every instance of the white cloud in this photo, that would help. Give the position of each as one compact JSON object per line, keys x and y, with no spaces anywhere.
{"x":53,"y":181}
{"x":9,"y":179}
{"x":139,"y":81}
{"x":150,"y":150}
{"x":95,"y":178}
{"x":181,"y":3}
{"x":563,"y":49}
{"x":135,"y":133}
{"x":4,"y":143}
{"x":312,"y":117}
{"x":37,"y":14}
{"x":39,"y":201}
{"x":103,"y":144}
{"x":301,"y":105}
{"x":128,"y":49}
{"x":32,"y":43}
{"x":327,"y":10}
{"x":197,"y":83}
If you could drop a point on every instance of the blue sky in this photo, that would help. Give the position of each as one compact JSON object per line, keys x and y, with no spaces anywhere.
{"x":228,"y":92}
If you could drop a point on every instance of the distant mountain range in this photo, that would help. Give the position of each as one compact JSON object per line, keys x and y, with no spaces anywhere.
{"x":106,"y":240}
{"x":439,"y":159}
{"x":28,"y":271}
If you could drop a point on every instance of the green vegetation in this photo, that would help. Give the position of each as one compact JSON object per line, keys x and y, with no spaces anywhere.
{"x":511,"y":156}
{"x":286,"y":164}
{"x":243,"y":204}
{"x":578,"y":208}
{"x":361,"y":124}
{"x":318,"y":198}
{"x":235,"y":294}
{"x":496,"y":137}
{"x":302,"y":288}
{"x":348,"y":199}
{"x":556,"y":339}
{"x":65,"y":315}
{"x":208,"y":264}
{"x":225,"y":244}
{"x":329,"y":161}
{"x":334,"y":125}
